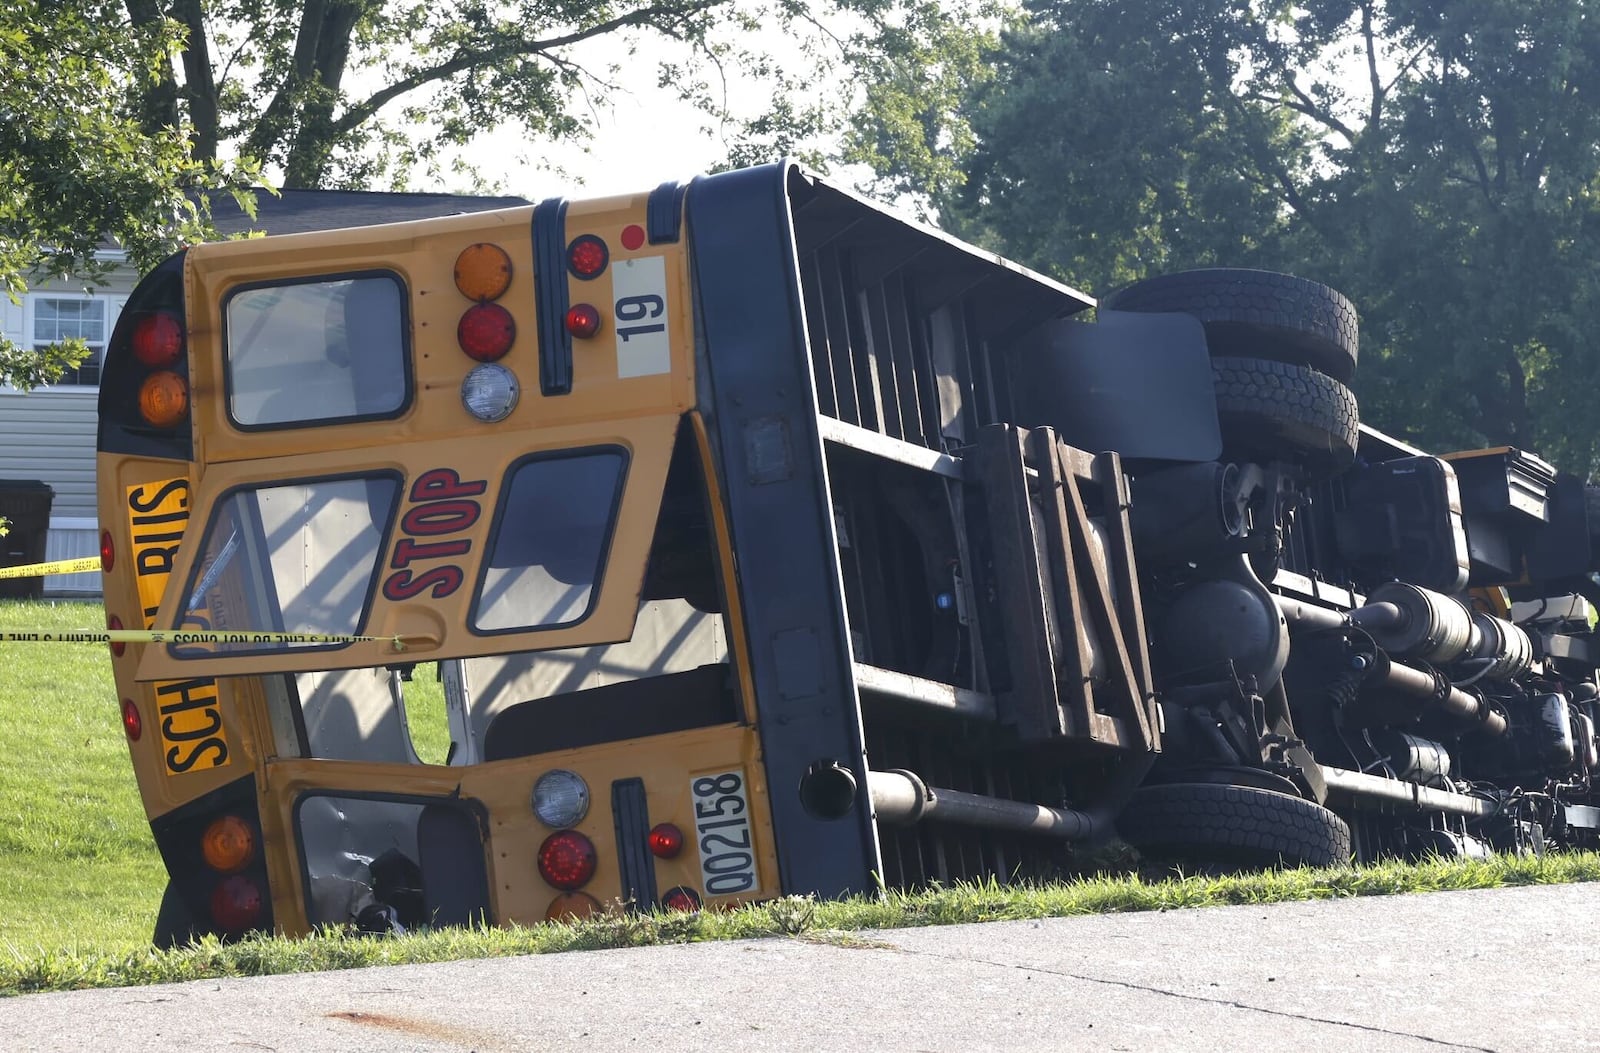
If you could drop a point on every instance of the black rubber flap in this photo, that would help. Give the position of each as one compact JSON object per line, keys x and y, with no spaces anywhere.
{"x":1139,"y":384}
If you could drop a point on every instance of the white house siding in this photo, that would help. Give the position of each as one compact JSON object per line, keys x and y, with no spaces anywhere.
{"x":49,"y":435}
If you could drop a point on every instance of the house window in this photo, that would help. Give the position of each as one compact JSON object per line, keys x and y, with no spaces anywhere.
{"x":57,"y":318}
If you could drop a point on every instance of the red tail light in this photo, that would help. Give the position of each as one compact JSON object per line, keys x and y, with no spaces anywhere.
{"x":567,"y":860}
{"x":666,"y":841}
{"x":158,"y":340}
{"x":486,"y":331}
{"x":587,"y":256}
{"x":681,"y":898}
{"x":583,"y":320}
{"x":236,"y":904}
{"x":132,"y":723}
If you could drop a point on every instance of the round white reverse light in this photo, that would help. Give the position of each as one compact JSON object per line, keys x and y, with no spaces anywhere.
{"x":490,"y":392}
{"x":560,"y":798}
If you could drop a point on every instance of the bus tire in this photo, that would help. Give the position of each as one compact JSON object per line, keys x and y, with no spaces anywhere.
{"x":1285,"y":412}
{"x":1257,"y":314}
{"x":1204,"y":824}
{"x":174,"y":923}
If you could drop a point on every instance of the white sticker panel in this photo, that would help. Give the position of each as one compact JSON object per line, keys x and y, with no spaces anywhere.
{"x":640,"y":314}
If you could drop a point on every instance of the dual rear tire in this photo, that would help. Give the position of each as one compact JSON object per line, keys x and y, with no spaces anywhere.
{"x":1282,"y":351}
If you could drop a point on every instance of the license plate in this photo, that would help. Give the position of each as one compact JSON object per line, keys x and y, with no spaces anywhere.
{"x":722,"y":827}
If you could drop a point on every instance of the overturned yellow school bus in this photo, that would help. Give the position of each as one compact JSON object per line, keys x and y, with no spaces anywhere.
{"x":766,"y":543}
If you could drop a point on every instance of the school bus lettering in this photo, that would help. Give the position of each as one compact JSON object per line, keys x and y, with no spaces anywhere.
{"x":191,"y":725}
{"x":440,"y":506}
{"x":192,"y":734}
{"x":157,"y":515}
{"x":179,"y":762}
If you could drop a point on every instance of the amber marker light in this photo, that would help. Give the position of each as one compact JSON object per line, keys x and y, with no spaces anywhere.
{"x":570,"y":906}
{"x":483,"y":272}
{"x":228,"y":845}
{"x":163,"y":399}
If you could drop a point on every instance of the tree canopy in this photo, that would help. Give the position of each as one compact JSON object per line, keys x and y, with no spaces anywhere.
{"x":364,"y":93}
{"x":77,"y":169}
{"x":1438,"y":162}
{"x":119,"y":117}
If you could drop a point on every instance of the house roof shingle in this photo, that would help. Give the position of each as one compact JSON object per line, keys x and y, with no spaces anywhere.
{"x":297,"y":211}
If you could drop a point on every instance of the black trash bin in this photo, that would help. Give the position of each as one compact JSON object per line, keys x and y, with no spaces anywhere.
{"x":26,"y":503}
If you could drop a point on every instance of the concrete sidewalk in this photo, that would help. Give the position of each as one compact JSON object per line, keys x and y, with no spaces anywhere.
{"x":1504,"y":969}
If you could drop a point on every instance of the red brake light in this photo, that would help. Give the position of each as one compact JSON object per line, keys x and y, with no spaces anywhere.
{"x":583,"y":320}
{"x":567,"y":859}
{"x":108,"y":553}
{"x":681,"y":898}
{"x":666,"y":841}
{"x":132,"y":723}
{"x":236,"y":904}
{"x":587,"y":256}
{"x":113,"y":623}
{"x":486,"y":331}
{"x":158,"y":340}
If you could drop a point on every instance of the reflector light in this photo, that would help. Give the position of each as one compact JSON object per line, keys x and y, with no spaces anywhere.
{"x":583,"y":320}
{"x":163,"y":399}
{"x":132,"y":723}
{"x":560,"y":798}
{"x":681,"y":898}
{"x":483,"y":271}
{"x":567,"y":859}
{"x":228,"y":845}
{"x":569,"y":906}
{"x":113,"y":622}
{"x":632,"y":236}
{"x":587,"y":256}
{"x":490,"y":393}
{"x":666,"y":841}
{"x":108,"y":552}
{"x":236,"y":904}
{"x":486,"y":331}
{"x":158,"y":340}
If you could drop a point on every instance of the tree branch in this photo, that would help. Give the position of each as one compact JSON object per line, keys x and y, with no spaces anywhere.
{"x":360,"y":112}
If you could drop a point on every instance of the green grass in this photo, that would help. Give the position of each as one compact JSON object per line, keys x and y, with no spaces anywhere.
{"x":77,"y":863}
{"x":80,"y":879}
{"x":793,"y":916}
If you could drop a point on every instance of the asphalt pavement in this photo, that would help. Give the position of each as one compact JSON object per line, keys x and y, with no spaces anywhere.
{"x":1503,"y":969}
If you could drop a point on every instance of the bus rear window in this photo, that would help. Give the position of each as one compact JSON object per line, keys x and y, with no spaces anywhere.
{"x":324,"y":351}
{"x":290,"y":558}
{"x":551,"y":534}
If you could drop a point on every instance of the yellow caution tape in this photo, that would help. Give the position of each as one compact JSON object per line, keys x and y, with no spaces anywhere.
{"x":60,"y":566}
{"x":185,"y":637}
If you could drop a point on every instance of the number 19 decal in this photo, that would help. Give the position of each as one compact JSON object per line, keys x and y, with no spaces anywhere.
{"x":644,"y":347}
{"x":722,"y":826}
